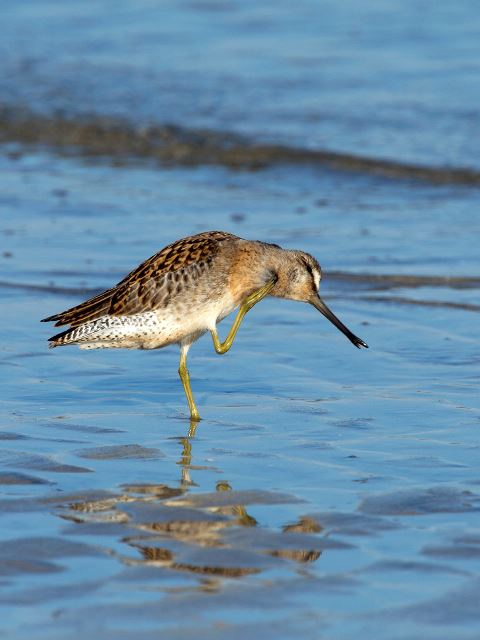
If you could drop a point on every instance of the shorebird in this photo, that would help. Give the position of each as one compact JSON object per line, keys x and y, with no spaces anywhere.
{"x":183,"y":291}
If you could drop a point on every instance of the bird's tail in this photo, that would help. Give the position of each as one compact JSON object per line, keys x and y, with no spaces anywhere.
{"x":70,"y":336}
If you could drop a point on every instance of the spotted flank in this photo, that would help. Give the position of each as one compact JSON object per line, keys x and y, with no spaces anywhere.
{"x":113,"y":332}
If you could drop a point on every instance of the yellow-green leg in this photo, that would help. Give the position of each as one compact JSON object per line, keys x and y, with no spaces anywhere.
{"x":247,"y":304}
{"x":185,"y":378}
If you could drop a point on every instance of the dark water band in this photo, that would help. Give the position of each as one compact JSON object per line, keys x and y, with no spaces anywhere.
{"x":120,"y":140}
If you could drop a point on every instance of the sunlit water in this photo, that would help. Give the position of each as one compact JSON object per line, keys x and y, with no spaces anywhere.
{"x":328,"y":492}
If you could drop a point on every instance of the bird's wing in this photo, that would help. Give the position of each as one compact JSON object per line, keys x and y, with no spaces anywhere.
{"x":149,"y":285}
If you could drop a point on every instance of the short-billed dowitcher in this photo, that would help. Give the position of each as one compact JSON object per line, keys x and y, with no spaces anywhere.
{"x":181,"y":292}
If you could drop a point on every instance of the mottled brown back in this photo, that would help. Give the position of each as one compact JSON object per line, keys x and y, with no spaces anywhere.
{"x":147,"y":286}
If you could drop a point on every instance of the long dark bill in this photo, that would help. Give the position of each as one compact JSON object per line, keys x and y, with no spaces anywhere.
{"x":319,"y":304}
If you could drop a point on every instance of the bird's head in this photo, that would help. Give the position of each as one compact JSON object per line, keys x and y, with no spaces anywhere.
{"x":299,"y":279}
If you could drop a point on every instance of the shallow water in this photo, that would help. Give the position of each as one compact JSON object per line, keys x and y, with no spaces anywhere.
{"x":327,"y":492}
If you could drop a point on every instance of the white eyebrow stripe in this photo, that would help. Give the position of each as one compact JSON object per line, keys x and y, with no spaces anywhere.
{"x":316,"y":278}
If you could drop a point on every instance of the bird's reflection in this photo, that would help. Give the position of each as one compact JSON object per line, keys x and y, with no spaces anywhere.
{"x":238,"y":511}
{"x":173,"y":523}
{"x":186,"y":458}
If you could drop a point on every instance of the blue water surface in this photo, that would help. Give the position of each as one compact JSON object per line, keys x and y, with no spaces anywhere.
{"x":328,"y":492}
{"x":368,"y":459}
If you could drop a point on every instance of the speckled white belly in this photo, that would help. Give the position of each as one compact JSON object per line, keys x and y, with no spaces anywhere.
{"x":152,"y":329}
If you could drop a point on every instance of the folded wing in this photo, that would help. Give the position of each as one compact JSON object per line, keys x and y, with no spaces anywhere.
{"x":148,"y":286}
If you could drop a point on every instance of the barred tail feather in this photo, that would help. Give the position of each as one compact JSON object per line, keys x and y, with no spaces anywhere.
{"x":74,"y":335}
{"x":65,"y":337}
{"x":106,"y":332}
